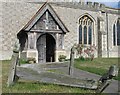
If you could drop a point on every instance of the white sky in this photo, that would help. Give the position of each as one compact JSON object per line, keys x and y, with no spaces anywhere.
{"x":103,"y":0}
{"x":110,"y":3}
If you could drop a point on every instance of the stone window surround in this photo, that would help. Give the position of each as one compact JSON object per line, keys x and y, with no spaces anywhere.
{"x":88,"y":22}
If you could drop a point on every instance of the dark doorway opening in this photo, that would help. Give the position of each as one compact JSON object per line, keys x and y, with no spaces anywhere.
{"x":23,"y":37}
{"x":50,"y":48}
{"x":46,"y":48}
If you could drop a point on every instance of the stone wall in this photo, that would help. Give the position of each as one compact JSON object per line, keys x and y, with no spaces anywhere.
{"x":16,"y":14}
{"x":70,"y":18}
{"x":14,"y":17}
{"x":114,"y":50}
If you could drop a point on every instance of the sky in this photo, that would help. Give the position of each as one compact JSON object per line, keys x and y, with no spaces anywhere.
{"x":110,"y":3}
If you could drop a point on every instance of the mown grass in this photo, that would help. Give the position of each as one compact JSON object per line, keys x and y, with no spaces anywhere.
{"x":34,"y":87}
{"x":98,"y":65}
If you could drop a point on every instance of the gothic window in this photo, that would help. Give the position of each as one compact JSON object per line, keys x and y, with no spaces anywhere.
{"x":85,"y":35}
{"x":80,"y":34}
{"x":89,"y":35}
{"x":114,"y":36}
{"x":116,"y":33}
{"x":85,"y":30}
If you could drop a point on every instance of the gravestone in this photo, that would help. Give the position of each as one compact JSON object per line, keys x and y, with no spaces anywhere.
{"x":12,"y":71}
{"x":71,"y":66}
{"x":14,"y":61}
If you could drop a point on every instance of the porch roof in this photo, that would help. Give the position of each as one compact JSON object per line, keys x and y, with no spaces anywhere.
{"x":46,"y":6}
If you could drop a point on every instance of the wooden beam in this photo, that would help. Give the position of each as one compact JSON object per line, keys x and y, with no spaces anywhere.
{"x":47,"y":31}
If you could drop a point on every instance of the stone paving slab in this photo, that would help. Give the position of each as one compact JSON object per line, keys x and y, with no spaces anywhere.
{"x":79,"y":74}
{"x":50,"y":77}
{"x":112,"y":88}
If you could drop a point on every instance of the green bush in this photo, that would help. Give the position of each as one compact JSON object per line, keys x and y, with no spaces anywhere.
{"x":62,"y":58}
{"x":22,"y":61}
{"x":31,"y":60}
{"x":82,"y":58}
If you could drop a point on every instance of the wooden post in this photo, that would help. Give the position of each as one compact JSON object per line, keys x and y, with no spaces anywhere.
{"x":71,"y":65}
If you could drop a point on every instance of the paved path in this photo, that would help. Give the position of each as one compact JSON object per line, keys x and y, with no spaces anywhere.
{"x":112,"y":88}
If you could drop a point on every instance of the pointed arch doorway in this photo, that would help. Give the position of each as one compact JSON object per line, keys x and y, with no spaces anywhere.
{"x":46,"y":45}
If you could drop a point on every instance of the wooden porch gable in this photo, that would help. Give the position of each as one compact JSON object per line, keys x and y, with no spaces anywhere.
{"x":46,"y":16}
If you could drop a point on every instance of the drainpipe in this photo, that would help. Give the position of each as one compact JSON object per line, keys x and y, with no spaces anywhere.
{"x":107,"y":35}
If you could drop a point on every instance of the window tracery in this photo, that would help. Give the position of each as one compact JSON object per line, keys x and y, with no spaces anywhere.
{"x":85,"y":30}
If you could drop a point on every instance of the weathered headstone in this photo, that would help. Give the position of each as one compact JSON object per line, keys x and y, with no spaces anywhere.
{"x":12,"y":71}
{"x":106,"y":79}
{"x":14,"y":61}
{"x":71,"y":66}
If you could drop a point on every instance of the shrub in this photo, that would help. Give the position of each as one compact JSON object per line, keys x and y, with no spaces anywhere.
{"x":22,"y":61}
{"x":31,"y":60}
{"x":82,"y":58}
{"x":62,"y":58}
{"x":86,"y":52}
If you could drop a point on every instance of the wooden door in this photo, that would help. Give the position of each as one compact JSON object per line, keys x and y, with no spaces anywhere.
{"x":41,"y":46}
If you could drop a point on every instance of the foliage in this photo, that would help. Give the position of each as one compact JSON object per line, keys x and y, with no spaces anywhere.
{"x":82,"y":58}
{"x":85,"y":52}
{"x":22,"y":61}
{"x":28,"y":60}
{"x":31,"y":60}
{"x":62,"y":58}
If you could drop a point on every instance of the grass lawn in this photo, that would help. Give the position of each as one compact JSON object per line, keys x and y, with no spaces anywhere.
{"x":98,"y":65}
{"x":34,"y":87}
